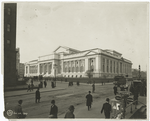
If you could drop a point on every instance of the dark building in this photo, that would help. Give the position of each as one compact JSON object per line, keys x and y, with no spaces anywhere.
{"x":10,"y":14}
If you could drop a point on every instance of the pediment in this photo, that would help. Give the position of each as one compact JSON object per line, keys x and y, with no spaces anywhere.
{"x":61,"y":49}
{"x":91,"y":53}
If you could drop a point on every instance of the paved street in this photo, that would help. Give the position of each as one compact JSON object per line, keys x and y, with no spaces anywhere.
{"x":64,"y":97}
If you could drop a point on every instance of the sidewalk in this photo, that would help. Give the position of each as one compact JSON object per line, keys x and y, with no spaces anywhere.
{"x":81,"y":111}
{"x":24,"y":92}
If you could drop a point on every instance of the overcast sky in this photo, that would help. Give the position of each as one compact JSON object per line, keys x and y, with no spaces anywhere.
{"x":43,"y":26}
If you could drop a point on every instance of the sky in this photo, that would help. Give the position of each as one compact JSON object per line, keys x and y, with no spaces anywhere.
{"x":44,"y":26}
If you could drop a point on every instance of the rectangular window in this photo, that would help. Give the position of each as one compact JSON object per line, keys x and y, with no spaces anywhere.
{"x":8,"y":27}
{"x":8,"y":11}
{"x":9,"y":43}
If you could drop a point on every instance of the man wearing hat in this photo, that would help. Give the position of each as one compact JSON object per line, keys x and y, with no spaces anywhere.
{"x":37,"y":96}
{"x":89,"y":100}
{"x":18,"y":110}
{"x":53,"y":110}
{"x":70,"y":114}
{"x":107,"y":108}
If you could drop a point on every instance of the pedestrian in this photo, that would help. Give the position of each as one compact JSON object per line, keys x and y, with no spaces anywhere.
{"x":107,"y":108}
{"x":41,"y":84}
{"x":70,"y":114}
{"x":45,"y":83}
{"x":32,"y":86}
{"x":29,"y":88}
{"x":93,"y":87}
{"x":37,"y":96}
{"x":121,"y":88}
{"x":52,"y":84}
{"x":53,"y":110}
{"x":18,"y":110}
{"x":89,"y":100}
{"x":115,"y":89}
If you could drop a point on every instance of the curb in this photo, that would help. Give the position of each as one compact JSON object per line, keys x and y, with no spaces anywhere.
{"x":32,"y":93}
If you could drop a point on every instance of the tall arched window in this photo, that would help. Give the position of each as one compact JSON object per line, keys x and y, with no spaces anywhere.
{"x":120,"y":67}
{"x":103,"y":65}
{"x":107,"y":65}
{"x":114,"y":66}
{"x":77,"y":66}
{"x":117,"y":67}
{"x":111,"y":66}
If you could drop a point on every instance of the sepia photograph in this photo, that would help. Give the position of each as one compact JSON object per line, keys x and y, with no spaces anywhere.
{"x":76,"y":60}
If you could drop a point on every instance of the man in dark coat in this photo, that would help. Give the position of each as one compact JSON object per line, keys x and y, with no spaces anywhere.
{"x":53,"y":110}
{"x":89,"y":100}
{"x":121,"y":87}
{"x":115,"y":89}
{"x":93,"y":87}
{"x":107,"y":108}
{"x":70,"y":114}
{"x":45,"y":83}
{"x":18,"y":110}
{"x":29,"y":88}
{"x":52,"y":84}
{"x":37,"y":96}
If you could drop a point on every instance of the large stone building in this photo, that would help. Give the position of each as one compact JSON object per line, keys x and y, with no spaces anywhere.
{"x":68,"y":62}
{"x":10,"y":14}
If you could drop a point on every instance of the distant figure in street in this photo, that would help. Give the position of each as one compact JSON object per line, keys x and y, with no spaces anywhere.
{"x":18,"y":110}
{"x":29,"y":88}
{"x":115,"y":89}
{"x":121,"y":88}
{"x":53,"y":110}
{"x":37,"y":96}
{"x":70,"y":114}
{"x":89,"y":100}
{"x":32,"y":86}
{"x":78,"y":83}
{"x":45,"y":83}
{"x":41,"y":84}
{"x":107,"y":108}
{"x":52,"y":84}
{"x":93,"y":87}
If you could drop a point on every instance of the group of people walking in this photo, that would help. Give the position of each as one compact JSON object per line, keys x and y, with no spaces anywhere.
{"x":106,"y":106}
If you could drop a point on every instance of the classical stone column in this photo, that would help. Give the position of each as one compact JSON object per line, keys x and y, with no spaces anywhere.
{"x":25,"y":70}
{"x":97,"y":64}
{"x":86,"y":65}
{"x":38,"y":69}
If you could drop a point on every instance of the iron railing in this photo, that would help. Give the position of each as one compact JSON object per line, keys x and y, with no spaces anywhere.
{"x":128,"y":108}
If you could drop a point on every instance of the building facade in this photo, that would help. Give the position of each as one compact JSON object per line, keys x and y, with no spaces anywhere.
{"x":17,"y":59}
{"x":68,"y":62}
{"x":21,"y":70}
{"x":10,"y":14}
